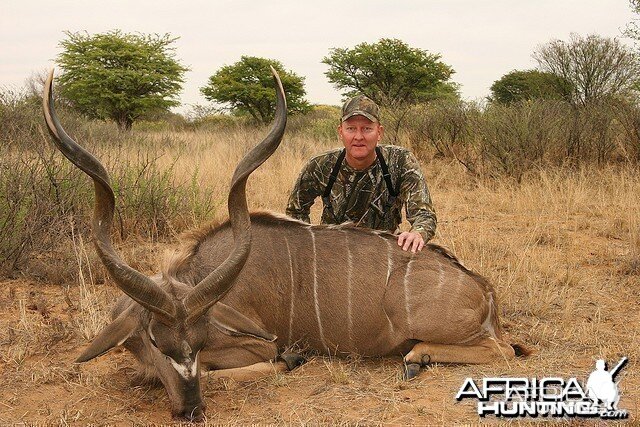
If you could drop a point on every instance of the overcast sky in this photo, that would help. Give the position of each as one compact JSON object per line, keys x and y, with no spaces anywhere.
{"x":481,"y":39}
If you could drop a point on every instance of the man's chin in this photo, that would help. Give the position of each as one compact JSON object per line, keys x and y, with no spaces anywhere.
{"x":360,"y":153}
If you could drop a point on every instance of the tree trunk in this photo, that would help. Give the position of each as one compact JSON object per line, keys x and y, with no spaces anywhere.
{"x":124,"y":122}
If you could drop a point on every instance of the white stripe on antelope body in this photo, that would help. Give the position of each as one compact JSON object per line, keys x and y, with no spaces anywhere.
{"x":240,"y":291}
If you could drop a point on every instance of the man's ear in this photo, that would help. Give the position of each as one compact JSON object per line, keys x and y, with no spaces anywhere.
{"x":380,"y":131}
{"x":231,"y":322}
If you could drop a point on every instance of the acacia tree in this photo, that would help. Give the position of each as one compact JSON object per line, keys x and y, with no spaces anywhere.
{"x":524,"y":85}
{"x":118,"y":76}
{"x":632,"y":29}
{"x":595,"y":67}
{"x":390,"y":72}
{"x":247,"y":88}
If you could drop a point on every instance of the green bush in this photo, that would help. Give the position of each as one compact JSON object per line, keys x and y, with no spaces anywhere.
{"x":43,"y":198}
{"x":512,"y":139}
{"x":320,"y":123}
{"x":524,"y":135}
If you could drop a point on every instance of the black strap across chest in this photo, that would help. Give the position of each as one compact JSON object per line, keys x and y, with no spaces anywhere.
{"x":333,"y":176}
{"x":393,"y":192}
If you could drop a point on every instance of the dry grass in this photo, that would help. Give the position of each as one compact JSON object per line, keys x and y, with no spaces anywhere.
{"x":561,"y":247}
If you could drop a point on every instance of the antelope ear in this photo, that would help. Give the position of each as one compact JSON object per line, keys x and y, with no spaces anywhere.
{"x":231,"y":322}
{"x":111,"y":336}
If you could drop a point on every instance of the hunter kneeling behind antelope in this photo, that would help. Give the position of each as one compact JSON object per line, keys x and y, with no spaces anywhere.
{"x":240,"y":291}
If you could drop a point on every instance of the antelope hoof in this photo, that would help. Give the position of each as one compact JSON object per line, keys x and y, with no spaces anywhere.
{"x":293,"y":360}
{"x":410,"y":371}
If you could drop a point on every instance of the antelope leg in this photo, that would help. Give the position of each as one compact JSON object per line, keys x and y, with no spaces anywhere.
{"x":251,"y":372}
{"x":236,"y":352}
{"x":485,"y":351}
{"x":284,"y":363}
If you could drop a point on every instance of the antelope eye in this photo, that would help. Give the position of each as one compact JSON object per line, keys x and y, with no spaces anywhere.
{"x":152,"y":339}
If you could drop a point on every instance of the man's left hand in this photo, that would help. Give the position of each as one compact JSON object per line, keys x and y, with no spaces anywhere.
{"x":411,"y":239}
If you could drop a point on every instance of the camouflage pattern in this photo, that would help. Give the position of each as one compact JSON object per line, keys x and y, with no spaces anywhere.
{"x":360,"y":196}
{"x":360,"y":106}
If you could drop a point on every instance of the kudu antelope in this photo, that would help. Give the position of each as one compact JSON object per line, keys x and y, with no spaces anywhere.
{"x":341,"y":289}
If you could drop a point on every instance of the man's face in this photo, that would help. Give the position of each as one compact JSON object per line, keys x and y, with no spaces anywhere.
{"x":360,"y":137}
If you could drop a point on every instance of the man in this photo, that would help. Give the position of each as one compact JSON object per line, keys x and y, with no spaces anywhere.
{"x":365,"y":183}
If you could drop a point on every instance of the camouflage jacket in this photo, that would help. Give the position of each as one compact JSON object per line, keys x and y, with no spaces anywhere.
{"x":360,"y":196}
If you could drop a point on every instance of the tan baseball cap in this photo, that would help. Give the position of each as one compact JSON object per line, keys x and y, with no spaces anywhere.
{"x":360,"y":105}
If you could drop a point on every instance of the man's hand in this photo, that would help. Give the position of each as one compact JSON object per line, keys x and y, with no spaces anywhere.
{"x":411,"y":239}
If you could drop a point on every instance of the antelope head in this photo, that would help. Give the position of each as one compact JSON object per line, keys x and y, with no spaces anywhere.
{"x":166,"y":325}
